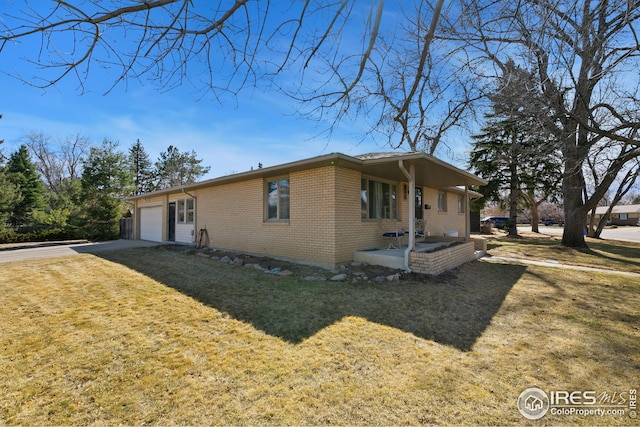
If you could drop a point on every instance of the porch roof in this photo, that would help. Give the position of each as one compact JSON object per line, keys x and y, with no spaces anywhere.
{"x":429,"y":171}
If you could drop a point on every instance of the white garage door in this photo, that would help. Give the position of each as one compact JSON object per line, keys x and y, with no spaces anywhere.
{"x":151,"y":224}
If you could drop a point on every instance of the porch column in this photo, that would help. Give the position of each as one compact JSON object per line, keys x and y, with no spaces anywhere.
{"x":412,"y":206}
{"x":411,"y":177}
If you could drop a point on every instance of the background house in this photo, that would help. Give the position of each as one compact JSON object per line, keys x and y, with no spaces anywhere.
{"x":621,"y":214}
{"x":316,"y":211}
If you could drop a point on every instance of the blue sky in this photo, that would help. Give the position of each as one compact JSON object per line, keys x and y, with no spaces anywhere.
{"x":230,"y":136}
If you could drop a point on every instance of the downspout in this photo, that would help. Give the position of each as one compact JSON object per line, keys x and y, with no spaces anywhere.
{"x":195,"y":215}
{"x":412,"y":210}
{"x":467,"y":215}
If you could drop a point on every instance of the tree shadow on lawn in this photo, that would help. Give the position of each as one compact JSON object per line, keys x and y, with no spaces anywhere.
{"x":452,"y":309}
{"x":617,"y":251}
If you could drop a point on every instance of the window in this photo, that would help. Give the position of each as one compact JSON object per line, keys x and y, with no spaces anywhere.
{"x":181,"y":204}
{"x":277,"y":200}
{"x":624,"y":217}
{"x":186,"y":211}
{"x":378,"y":200}
{"x":461,"y":204}
{"x":190,"y":210}
{"x":442,"y":201}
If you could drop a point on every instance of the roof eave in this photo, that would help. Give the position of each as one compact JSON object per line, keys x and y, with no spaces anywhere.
{"x":318,"y":161}
{"x":255,"y":173}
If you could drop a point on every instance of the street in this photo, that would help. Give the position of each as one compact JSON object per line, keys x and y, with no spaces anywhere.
{"x":630,"y":234}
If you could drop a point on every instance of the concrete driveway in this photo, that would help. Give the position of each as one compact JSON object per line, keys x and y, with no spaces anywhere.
{"x":73,"y":249}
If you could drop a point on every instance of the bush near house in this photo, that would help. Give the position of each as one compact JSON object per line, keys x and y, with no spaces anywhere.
{"x":40,"y":234}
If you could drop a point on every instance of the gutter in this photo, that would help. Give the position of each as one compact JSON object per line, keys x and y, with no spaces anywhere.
{"x":412,"y":210}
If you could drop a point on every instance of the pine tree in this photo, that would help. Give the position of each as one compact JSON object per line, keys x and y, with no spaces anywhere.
{"x":21,"y":172}
{"x":142,"y":169}
{"x":106,"y":180}
{"x":175,"y":168}
{"x":514,"y":152}
{"x":9,"y":197}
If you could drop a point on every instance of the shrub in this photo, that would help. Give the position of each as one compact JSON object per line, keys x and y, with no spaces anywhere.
{"x":38,"y":234}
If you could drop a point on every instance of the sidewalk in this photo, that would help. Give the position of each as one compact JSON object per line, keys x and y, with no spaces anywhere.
{"x":552,"y":264}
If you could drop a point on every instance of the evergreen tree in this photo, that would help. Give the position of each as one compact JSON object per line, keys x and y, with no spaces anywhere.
{"x":9,"y":197}
{"x":1,"y":142}
{"x":106,"y":180}
{"x":22,"y":173}
{"x":175,"y":168}
{"x":514,"y":152}
{"x":65,"y":206}
{"x":142,"y":169}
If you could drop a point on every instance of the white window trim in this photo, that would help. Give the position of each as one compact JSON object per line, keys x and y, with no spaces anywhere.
{"x":184,"y":203}
{"x":276,"y":179}
{"x":369,"y":178}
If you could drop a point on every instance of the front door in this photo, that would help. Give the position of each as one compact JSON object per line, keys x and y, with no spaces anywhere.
{"x":171,"y":226}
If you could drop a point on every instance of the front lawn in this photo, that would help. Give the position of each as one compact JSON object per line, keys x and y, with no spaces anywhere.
{"x":607,"y":254}
{"x":150,"y":336}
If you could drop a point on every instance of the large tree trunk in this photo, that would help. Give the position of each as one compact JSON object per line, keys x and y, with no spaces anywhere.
{"x":574,"y":226}
{"x":533,"y":208}
{"x":575,"y":214}
{"x":591,"y":223}
{"x":513,"y":200}
{"x":535,"y":218}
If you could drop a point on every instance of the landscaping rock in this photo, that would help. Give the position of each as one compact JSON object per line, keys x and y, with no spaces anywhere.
{"x":316,"y":277}
{"x":254,"y":266}
{"x":348,"y":272}
{"x":359,"y":276}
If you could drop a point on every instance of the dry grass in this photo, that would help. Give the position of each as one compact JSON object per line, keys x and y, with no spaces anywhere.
{"x":606,"y":254}
{"x":153,"y":337}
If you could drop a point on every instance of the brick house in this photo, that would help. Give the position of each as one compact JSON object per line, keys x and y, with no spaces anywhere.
{"x":315,"y":211}
{"x":620,"y":214}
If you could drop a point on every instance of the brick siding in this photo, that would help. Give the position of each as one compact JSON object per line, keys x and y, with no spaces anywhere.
{"x":325,"y":225}
{"x":440,"y":261}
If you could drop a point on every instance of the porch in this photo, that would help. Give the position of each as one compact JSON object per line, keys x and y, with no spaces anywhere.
{"x":428,"y":257}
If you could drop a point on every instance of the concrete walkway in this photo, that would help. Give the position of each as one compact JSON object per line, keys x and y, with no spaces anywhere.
{"x":552,"y":264}
{"x":17,"y":255}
